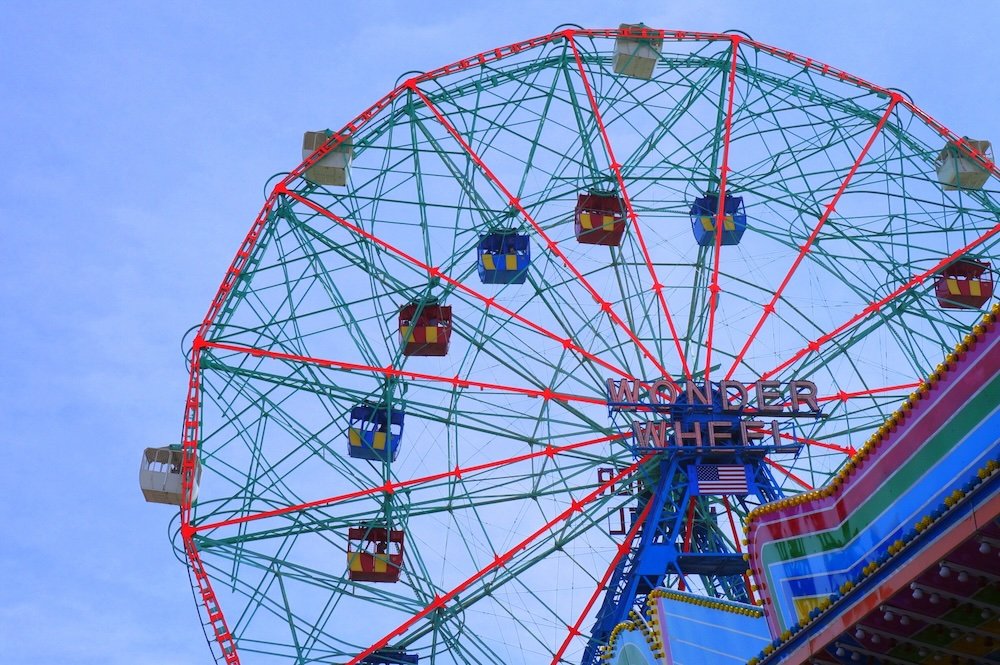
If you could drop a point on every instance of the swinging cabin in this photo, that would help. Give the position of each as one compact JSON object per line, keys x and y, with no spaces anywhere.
{"x":427,"y":333}
{"x":705,"y":211}
{"x":599,"y":219}
{"x":503,"y":257}
{"x":636,"y":55}
{"x":964,"y":284}
{"x":333,"y":167}
{"x":160,"y":475}
{"x":374,"y":553}
{"x":374,"y":432}
{"x":957,"y":170}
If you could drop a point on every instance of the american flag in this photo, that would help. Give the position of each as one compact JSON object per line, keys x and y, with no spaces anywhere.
{"x":719,"y":478}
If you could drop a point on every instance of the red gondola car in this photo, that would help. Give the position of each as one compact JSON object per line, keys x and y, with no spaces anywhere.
{"x":599,"y":219}
{"x":964,"y":284}
{"x":426,"y":333}
{"x":374,"y":554}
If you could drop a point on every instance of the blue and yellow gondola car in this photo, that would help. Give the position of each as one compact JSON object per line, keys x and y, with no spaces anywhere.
{"x":503,"y":257}
{"x":704,"y":213}
{"x":374,"y":432}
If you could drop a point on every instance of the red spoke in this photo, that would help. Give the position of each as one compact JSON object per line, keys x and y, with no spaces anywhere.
{"x":623,"y":549}
{"x":390,"y":371}
{"x":499,"y":560}
{"x":732,"y":524}
{"x":237,"y":265}
{"x":769,"y":308}
{"x":844,"y":395}
{"x":566,"y":342}
{"x":847,"y":450}
{"x":720,"y":213}
{"x":690,"y":526}
{"x":633,"y":217}
{"x":877,"y":305}
{"x":739,"y":547}
{"x":789,"y":474}
{"x":551,"y":244}
{"x":389,"y":487}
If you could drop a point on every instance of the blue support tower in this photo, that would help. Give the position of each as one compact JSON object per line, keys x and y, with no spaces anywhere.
{"x":681,"y":540}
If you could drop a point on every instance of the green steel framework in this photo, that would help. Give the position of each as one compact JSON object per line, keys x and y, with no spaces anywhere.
{"x":506,"y":542}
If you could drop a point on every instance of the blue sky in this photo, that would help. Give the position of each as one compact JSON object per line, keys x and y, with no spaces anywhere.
{"x":137,"y":140}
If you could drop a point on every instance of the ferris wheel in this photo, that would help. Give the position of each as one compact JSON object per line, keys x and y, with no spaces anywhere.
{"x":410,"y":431}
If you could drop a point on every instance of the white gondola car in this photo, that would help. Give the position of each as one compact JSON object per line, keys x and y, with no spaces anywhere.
{"x":332,"y":169}
{"x":956,"y":170}
{"x":160,"y":475}
{"x":636,"y":56}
